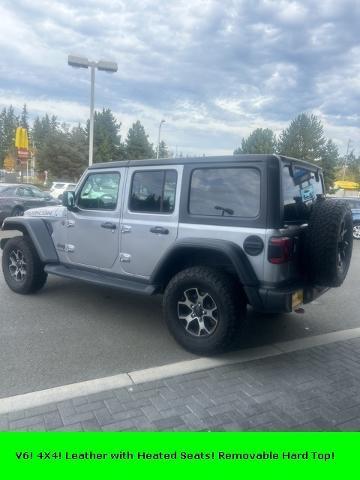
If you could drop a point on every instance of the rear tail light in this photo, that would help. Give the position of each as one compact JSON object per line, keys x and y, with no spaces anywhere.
{"x":281,"y":250}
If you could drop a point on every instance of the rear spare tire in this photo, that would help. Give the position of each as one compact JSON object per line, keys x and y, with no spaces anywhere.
{"x":329,"y":242}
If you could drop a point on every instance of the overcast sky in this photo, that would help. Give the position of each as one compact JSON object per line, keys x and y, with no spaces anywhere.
{"x":214,"y":70}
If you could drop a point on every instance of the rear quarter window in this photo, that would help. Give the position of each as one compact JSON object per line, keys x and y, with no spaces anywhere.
{"x":226,"y":192}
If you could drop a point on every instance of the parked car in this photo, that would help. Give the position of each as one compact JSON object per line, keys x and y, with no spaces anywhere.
{"x":212,"y":234}
{"x":58,"y":188}
{"x":16,"y":198}
{"x":354,"y":204}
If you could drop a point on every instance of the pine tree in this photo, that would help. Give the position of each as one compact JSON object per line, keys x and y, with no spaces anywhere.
{"x":137,"y":144}
{"x":329,"y":162}
{"x":107,"y":139}
{"x":261,"y":140}
{"x":24,"y":118}
{"x":8,"y":125}
{"x":163,"y":150}
{"x":304,"y":138}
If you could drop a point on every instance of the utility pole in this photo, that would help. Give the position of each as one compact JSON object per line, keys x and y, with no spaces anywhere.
{"x":158,"y":145}
{"x":346,"y":158}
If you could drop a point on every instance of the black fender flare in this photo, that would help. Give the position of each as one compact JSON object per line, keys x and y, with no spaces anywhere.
{"x":39,"y":233}
{"x":233,"y":252}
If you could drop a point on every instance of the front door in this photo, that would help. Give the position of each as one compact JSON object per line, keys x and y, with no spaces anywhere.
{"x":150,"y":218}
{"x":93,"y":226}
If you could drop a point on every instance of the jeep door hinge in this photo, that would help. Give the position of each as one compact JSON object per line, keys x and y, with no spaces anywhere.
{"x":125,"y":257}
{"x":125,"y":228}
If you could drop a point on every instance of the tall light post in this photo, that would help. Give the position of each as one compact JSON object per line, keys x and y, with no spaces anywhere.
{"x":158,"y":146}
{"x":102,"y":65}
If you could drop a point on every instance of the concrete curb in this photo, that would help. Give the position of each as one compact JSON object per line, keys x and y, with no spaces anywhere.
{"x":65,"y":392}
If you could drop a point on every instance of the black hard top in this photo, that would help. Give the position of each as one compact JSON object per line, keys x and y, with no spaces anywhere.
{"x":196,"y":160}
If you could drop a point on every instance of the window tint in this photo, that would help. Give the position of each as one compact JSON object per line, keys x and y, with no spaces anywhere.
{"x":24,"y":192}
{"x":100,"y":192}
{"x":225,"y":192}
{"x":299,"y":192}
{"x":37,"y":192}
{"x":153,"y":191}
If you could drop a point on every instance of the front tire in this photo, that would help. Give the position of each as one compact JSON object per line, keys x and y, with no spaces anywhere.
{"x":23,"y":270}
{"x":203,"y":308}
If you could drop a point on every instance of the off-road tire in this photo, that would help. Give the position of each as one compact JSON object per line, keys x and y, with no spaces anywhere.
{"x":230,"y":307}
{"x":329,"y":242}
{"x":35,"y":277}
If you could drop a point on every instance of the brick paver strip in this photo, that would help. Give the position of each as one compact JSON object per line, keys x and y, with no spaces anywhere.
{"x":317,"y":389}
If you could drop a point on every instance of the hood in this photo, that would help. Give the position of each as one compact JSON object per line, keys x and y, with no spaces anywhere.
{"x":51,"y":211}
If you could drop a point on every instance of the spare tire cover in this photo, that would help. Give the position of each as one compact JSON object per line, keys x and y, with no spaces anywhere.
{"x":329,"y":242}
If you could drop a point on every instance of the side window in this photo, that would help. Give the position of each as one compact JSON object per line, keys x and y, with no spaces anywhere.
{"x":24,"y":192}
{"x":225,"y":192}
{"x":153,"y":191}
{"x":99,"y":192}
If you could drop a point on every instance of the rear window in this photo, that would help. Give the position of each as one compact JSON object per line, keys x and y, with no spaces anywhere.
{"x":300,"y":188}
{"x":226,"y":192}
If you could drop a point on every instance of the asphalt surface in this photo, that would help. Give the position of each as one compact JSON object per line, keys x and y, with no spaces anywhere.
{"x":71,"y":331}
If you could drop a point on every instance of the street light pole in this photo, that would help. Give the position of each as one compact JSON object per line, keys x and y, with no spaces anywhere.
{"x":158,"y":146}
{"x":103,"y":65}
{"x":91,"y":129}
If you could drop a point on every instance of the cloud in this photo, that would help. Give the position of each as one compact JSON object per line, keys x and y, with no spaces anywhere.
{"x":214,"y":70}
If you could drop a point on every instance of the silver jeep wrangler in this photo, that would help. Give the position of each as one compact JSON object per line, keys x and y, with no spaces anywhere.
{"x":212,"y":234}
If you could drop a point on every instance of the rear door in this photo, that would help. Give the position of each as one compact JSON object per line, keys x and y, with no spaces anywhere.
{"x":150,"y":219}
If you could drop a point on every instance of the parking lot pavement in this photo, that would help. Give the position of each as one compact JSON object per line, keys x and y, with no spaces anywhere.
{"x":316,"y":389}
{"x":72,"y":332}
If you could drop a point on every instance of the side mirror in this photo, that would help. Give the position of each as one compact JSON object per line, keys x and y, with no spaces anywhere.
{"x":68,"y":200}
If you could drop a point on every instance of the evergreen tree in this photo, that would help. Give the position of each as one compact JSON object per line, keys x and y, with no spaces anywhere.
{"x":8,"y":125}
{"x":329,"y":162}
{"x":304,"y":138}
{"x":137,"y":144}
{"x":163,"y":150}
{"x":24,"y":118}
{"x":351,"y":167}
{"x":64,"y":154}
{"x":261,"y":140}
{"x":107,"y":139}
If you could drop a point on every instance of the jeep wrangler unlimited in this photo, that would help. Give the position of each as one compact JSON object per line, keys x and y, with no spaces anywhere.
{"x":211,"y":234}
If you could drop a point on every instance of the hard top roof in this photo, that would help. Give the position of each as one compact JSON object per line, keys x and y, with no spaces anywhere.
{"x":198,"y":160}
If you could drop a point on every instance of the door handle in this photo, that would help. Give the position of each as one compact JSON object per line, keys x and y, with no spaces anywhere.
{"x":159,"y":230}
{"x":109,"y":225}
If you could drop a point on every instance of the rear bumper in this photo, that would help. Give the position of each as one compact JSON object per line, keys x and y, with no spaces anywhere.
{"x":277,"y":300}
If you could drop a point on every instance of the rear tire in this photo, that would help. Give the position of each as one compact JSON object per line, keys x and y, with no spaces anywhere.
{"x":204,"y":308}
{"x":23,"y":270}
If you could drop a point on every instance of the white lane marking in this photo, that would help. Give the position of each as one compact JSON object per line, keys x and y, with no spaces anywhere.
{"x":66,"y":392}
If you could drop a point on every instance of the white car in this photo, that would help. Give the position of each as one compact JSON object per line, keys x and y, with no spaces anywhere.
{"x":58,"y":188}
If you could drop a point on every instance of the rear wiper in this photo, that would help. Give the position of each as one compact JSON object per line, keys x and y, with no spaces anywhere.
{"x":229,"y":211}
